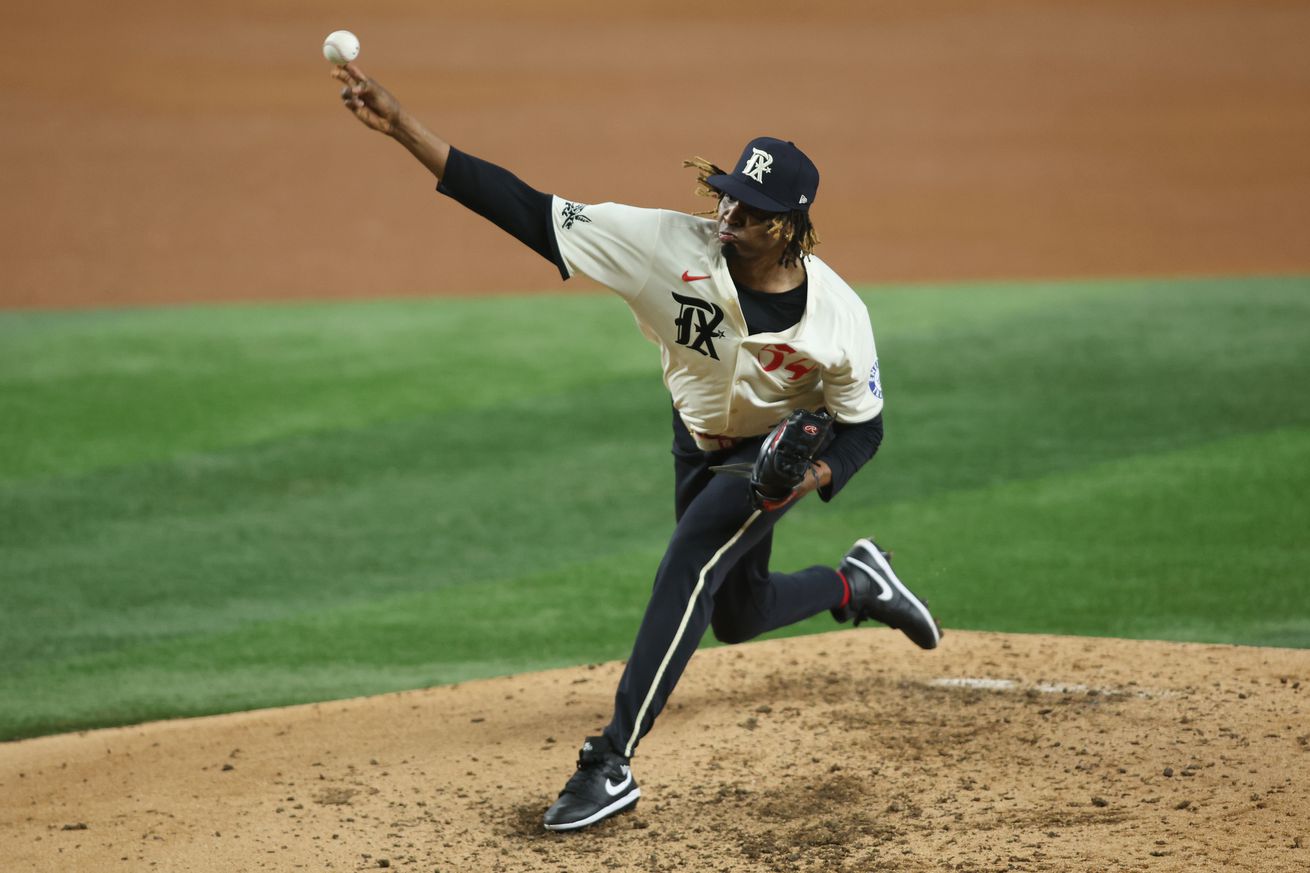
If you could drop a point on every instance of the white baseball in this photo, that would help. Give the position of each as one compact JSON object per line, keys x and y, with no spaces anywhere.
{"x":341,"y":47}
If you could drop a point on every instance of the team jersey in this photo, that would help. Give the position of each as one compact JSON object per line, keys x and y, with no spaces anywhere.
{"x":725,"y":382}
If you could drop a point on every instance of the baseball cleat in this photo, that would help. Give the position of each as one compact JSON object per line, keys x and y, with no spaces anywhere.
{"x":876,"y":593}
{"x":601,"y":787}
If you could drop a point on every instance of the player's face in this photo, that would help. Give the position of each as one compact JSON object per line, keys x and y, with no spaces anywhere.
{"x":744,"y":230}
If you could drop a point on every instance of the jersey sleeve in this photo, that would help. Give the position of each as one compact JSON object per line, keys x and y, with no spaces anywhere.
{"x":852,"y":391}
{"x":609,"y":242}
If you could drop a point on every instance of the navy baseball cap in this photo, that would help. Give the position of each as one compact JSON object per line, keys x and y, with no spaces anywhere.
{"x":771,"y":174}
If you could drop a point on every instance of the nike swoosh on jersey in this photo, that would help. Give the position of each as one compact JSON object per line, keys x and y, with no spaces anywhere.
{"x":688,"y":277}
{"x":614,"y":790}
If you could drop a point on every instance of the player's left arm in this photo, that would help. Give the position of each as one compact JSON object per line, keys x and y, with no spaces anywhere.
{"x":853,"y":395}
{"x":853,"y":446}
{"x":850,"y":448}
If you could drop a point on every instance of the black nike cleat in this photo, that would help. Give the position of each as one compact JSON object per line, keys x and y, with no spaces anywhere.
{"x":877,"y":594}
{"x":601,"y":787}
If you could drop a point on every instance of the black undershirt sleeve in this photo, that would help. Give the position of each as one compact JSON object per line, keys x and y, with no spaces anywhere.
{"x":505,"y":200}
{"x":851,"y":448}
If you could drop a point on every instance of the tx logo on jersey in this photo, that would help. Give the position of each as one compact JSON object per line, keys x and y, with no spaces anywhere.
{"x":697,"y":324}
{"x":759,"y":163}
{"x":573,"y":212}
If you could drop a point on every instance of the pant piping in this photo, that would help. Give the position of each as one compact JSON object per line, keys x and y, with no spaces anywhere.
{"x":682,"y":628}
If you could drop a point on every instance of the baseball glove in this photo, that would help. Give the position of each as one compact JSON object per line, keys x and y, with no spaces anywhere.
{"x":784,"y":458}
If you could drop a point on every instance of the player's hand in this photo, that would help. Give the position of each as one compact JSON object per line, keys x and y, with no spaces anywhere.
{"x":367,"y":100}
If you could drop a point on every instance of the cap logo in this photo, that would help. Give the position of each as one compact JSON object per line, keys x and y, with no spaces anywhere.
{"x":760,"y":162}
{"x":804,"y":200}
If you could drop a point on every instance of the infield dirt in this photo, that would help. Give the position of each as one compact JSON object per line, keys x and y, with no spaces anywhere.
{"x":848,"y":751}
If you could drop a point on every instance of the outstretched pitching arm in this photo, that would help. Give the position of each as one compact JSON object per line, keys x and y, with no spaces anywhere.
{"x":491,"y":191}
{"x":376,"y":108}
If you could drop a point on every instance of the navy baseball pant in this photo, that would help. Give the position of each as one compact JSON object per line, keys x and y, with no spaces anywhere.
{"x":715,"y":573}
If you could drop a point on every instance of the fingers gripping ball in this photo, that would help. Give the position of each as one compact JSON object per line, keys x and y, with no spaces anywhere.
{"x":341,"y":47}
{"x":785,"y":457}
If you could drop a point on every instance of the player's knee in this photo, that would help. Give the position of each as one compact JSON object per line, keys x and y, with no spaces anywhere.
{"x":730,"y":631}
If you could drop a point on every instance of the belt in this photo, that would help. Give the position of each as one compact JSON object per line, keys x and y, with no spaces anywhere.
{"x":713,"y":442}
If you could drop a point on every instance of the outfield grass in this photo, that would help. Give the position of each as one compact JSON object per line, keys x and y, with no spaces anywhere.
{"x":214,"y":508}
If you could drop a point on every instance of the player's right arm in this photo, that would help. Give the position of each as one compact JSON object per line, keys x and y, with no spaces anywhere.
{"x":609,"y":242}
{"x":376,"y":108}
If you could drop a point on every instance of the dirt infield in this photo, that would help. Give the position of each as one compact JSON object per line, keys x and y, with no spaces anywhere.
{"x":162,"y":152}
{"x":840,"y":752}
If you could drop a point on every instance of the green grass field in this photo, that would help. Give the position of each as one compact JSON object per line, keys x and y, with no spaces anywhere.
{"x":206,"y":509}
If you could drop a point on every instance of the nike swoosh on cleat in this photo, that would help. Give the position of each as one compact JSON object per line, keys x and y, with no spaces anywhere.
{"x":613,"y":790}
{"x":909,"y":596}
{"x":688,"y":277}
{"x":885,"y":590}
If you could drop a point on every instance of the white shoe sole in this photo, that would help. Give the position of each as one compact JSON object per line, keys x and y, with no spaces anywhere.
{"x":626,"y":800}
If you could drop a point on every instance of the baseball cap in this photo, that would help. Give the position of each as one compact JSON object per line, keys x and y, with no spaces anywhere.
{"x":771,"y":174}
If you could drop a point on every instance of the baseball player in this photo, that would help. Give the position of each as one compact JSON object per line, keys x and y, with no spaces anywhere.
{"x":770,"y":361}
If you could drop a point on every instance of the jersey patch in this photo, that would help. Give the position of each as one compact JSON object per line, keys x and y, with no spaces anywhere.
{"x":572,"y":213}
{"x":875,"y":384}
{"x":697,"y":323}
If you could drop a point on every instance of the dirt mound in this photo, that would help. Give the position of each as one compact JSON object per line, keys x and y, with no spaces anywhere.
{"x":844,"y":751}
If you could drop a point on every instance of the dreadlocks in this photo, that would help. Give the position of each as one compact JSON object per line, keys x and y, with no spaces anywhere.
{"x":793,"y":226}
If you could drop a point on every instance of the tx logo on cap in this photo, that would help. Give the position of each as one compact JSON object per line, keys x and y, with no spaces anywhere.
{"x":759,"y":163}
{"x":772,"y":175}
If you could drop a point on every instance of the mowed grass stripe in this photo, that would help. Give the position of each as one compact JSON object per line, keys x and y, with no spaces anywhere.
{"x":1113,"y":546}
{"x":329,"y":502}
{"x":101,"y":390}
{"x":1206,"y":543}
{"x":453,"y":634}
{"x":270,"y":532}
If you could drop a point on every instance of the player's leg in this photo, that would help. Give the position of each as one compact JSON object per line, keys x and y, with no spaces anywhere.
{"x":752,"y":600}
{"x":716,"y":527}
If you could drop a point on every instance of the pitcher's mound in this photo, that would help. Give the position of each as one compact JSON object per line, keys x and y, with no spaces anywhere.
{"x":845,"y":751}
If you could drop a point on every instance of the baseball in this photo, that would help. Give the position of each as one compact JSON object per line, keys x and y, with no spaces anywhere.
{"x":341,"y":47}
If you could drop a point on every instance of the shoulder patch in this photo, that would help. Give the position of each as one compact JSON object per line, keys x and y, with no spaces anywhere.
{"x":875,"y":384}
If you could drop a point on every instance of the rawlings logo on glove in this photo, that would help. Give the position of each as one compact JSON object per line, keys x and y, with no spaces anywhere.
{"x":784,"y":458}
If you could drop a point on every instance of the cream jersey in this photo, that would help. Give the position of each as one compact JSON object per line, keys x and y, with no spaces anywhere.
{"x":725,"y":381}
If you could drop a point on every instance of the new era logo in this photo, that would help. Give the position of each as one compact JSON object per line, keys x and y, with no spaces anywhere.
{"x":804,"y":200}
